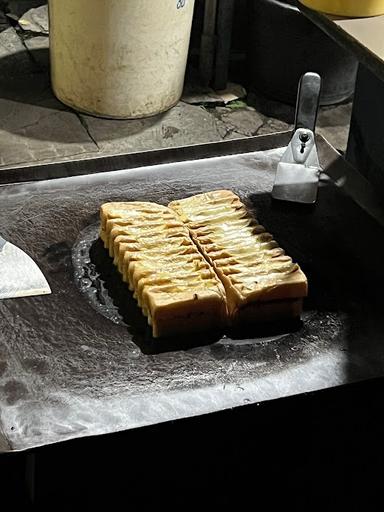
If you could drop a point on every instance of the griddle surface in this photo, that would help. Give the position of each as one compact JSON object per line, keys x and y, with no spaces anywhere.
{"x":69,"y":368}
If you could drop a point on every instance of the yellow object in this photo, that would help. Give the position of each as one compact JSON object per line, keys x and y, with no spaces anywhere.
{"x":354,"y":8}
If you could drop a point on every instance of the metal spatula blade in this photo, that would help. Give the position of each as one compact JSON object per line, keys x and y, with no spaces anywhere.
{"x":298,"y":171}
{"x":297,"y":175}
{"x":19,"y":274}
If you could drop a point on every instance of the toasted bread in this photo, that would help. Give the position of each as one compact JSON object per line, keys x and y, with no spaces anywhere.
{"x":260,"y":280}
{"x":174,"y":285}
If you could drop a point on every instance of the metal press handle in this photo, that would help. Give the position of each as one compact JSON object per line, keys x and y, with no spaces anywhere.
{"x":307,"y":105}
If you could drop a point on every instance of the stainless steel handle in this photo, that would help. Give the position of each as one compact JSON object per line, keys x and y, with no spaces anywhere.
{"x":307,"y":105}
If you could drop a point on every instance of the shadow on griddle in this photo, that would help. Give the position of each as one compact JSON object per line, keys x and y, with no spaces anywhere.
{"x":111,"y":283}
{"x":279,"y":206}
{"x":288,"y":206}
{"x":264,"y":330}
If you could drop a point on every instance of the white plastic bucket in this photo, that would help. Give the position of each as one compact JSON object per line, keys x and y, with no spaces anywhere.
{"x":119,"y":58}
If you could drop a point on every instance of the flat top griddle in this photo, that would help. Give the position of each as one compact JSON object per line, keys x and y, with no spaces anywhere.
{"x":79,"y":362}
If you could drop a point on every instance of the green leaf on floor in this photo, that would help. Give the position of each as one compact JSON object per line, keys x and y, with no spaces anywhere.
{"x":236,"y":104}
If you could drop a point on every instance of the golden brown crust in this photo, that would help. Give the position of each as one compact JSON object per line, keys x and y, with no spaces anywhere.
{"x":233,"y":268}
{"x":174,"y":285}
{"x":248,"y":261}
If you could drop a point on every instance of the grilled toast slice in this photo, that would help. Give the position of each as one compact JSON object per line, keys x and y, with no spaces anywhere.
{"x":173,"y":284}
{"x":261,"y":281}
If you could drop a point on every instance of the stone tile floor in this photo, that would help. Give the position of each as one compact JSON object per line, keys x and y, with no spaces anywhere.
{"x":35,"y":127}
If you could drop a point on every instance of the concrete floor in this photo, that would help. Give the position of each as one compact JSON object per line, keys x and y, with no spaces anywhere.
{"x":35,"y":127}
